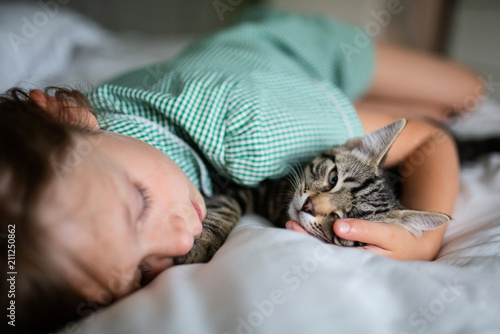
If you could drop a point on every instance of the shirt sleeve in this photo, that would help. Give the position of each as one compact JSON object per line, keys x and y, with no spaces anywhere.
{"x":249,"y":102}
{"x":268,"y":39}
{"x":323,"y":47}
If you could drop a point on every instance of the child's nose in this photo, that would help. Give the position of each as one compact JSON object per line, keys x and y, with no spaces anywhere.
{"x":170,"y":238}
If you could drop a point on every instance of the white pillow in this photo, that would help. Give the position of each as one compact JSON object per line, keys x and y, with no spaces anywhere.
{"x":39,"y":40}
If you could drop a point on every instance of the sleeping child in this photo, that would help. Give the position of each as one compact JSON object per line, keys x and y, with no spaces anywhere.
{"x":106,"y":188}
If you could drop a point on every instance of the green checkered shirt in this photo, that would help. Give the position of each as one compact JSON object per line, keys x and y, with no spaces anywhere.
{"x":247,"y":102}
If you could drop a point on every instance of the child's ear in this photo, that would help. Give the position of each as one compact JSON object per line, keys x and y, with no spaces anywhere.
{"x":72,"y":113}
{"x":42,"y":100}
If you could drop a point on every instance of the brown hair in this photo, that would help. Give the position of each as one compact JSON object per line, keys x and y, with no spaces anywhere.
{"x":30,"y":140}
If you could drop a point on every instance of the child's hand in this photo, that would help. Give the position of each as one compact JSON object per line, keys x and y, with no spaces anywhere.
{"x":385,"y":239}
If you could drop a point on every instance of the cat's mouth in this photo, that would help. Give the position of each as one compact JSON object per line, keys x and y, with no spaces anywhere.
{"x":320,"y":230}
{"x":294,"y":210}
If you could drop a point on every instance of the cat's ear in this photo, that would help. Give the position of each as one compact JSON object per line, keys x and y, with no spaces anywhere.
{"x":417,"y":221}
{"x":376,"y":144}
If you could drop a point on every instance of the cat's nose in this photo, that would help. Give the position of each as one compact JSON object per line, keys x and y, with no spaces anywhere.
{"x":308,"y":207}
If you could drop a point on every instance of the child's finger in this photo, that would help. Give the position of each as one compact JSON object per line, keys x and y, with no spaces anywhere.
{"x":294,"y":226}
{"x":377,"y":250}
{"x":373,"y":233}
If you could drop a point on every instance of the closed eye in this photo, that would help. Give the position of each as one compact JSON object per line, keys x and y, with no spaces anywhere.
{"x":146,"y":200}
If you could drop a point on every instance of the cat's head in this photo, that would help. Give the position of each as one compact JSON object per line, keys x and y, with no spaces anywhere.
{"x":347,"y":181}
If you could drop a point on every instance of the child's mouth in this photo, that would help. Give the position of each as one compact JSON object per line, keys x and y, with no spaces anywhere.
{"x":198,"y":210}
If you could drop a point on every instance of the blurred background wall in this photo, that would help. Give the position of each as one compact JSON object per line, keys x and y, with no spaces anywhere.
{"x":160,"y":16}
{"x":474,"y":39}
{"x":466,"y":30}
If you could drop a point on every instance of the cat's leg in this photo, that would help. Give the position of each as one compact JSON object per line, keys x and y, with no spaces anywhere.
{"x":223,"y":212}
{"x":269,"y":199}
{"x":347,"y":243}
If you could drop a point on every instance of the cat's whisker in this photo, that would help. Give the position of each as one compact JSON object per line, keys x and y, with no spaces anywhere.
{"x":294,"y":179}
{"x":302,"y":176}
{"x":288,"y":199}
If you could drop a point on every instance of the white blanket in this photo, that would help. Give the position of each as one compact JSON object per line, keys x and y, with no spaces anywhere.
{"x":267,"y":280}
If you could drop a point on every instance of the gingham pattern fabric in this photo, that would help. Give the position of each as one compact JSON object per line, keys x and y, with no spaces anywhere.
{"x":246,"y":102}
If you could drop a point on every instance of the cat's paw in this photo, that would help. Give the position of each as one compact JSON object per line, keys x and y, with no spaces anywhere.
{"x":194,"y":256}
{"x":346,"y":243}
{"x":202,"y":252}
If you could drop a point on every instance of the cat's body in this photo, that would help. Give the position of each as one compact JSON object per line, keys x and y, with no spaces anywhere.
{"x":346,"y":181}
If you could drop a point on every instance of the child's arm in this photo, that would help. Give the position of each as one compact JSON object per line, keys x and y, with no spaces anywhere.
{"x":420,"y":84}
{"x":411,"y":84}
{"x":430,"y":172}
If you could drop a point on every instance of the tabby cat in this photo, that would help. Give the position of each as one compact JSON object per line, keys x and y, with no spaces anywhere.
{"x":346,"y":181}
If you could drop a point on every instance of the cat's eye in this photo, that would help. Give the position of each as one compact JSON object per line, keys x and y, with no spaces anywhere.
{"x":332,"y":178}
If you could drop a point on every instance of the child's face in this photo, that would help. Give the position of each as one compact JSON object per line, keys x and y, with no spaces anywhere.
{"x":118,"y":206}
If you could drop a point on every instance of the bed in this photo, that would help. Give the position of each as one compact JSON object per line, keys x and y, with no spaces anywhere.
{"x":268,"y":280}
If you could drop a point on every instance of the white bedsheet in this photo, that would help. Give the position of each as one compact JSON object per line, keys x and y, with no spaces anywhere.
{"x":267,"y":280}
